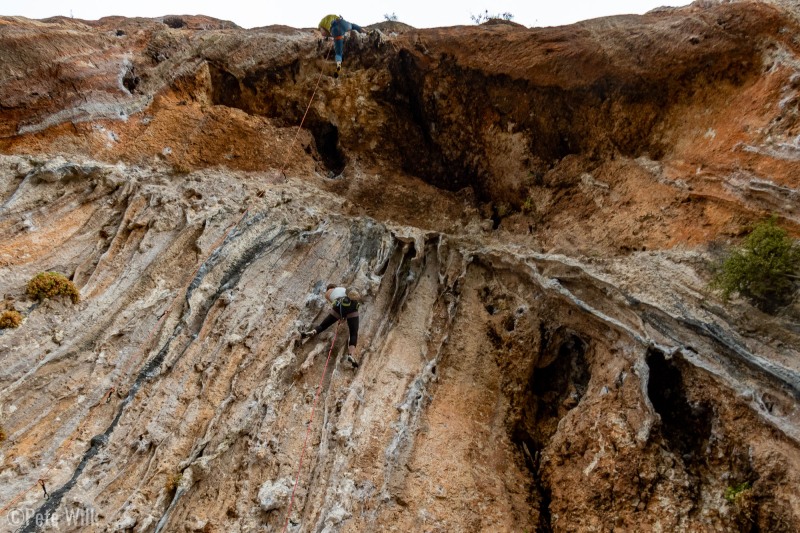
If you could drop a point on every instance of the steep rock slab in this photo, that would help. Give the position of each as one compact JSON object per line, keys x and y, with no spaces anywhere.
{"x":492,"y":379}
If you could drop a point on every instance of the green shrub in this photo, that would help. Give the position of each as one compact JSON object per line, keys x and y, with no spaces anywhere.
{"x":528,"y":207}
{"x":743,"y":498}
{"x":10,"y":319}
{"x":503,"y":209}
{"x":733,"y":493}
{"x":50,"y":284}
{"x":764,"y":269}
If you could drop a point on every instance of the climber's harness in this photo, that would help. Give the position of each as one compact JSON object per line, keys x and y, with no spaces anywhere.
{"x":345,"y":307}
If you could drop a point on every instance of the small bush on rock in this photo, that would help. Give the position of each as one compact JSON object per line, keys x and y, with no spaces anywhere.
{"x":173,"y":481}
{"x":179,"y":169}
{"x":733,"y":492}
{"x":764,"y":269}
{"x":3,"y":435}
{"x":743,"y":499}
{"x":50,"y":284}
{"x":480,"y":18}
{"x":529,"y":207}
{"x":10,"y":319}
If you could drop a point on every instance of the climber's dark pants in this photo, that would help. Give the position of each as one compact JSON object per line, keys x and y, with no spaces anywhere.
{"x":352,"y":325}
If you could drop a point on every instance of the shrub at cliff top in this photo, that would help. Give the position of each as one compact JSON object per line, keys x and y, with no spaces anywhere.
{"x":50,"y":284}
{"x":764,"y":269}
{"x":10,"y":319}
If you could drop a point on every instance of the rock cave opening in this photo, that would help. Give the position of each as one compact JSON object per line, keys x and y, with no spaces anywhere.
{"x":717,"y":462}
{"x":554,"y":388}
{"x":175,"y":22}
{"x":130,"y":80}
{"x":443,"y":124}
{"x":225,"y":88}
{"x":685,"y":425}
{"x":326,"y":139}
{"x":443,"y":135}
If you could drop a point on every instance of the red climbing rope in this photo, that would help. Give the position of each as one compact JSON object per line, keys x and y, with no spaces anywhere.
{"x":16,"y":499}
{"x":289,"y":151}
{"x":308,"y":427}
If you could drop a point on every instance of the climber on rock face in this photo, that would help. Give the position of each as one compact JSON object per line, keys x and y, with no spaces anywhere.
{"x":335,"y":26}
{"x":345,"y":305}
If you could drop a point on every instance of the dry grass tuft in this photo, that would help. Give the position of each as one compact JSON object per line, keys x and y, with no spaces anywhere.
{"x":10,"y":319}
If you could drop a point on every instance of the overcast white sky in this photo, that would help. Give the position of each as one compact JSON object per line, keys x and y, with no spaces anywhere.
{"x":305,"y":14}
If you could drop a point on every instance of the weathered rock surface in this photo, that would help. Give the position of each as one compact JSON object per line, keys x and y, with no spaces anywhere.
{"x":531,"y":215}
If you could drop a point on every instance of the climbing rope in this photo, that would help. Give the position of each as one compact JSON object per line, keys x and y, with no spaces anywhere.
{"x":108,"y":395}
{"x":289,"y":151}
{"x":15,"y":500}
{"x":308,"y":427}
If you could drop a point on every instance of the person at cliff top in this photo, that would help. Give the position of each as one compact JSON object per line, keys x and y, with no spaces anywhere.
{"x":345,"y":304}
{"x":335,"y":26}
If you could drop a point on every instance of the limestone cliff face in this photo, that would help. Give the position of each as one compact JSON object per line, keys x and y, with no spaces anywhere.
{"x":531,"y":215}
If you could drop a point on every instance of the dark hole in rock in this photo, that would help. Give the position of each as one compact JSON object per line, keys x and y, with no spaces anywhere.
{"x":496,"y":219}
{"x":225,"y":88}
{"x":558,"y":387}
{"x":326,"y":137}
{"x":686,"y":427}
{"x":174,"y":22}
{"x":130,"y":80}
{"x":552,"y":391}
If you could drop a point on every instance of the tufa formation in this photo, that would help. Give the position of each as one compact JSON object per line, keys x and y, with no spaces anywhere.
{"x":531,"y":215}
